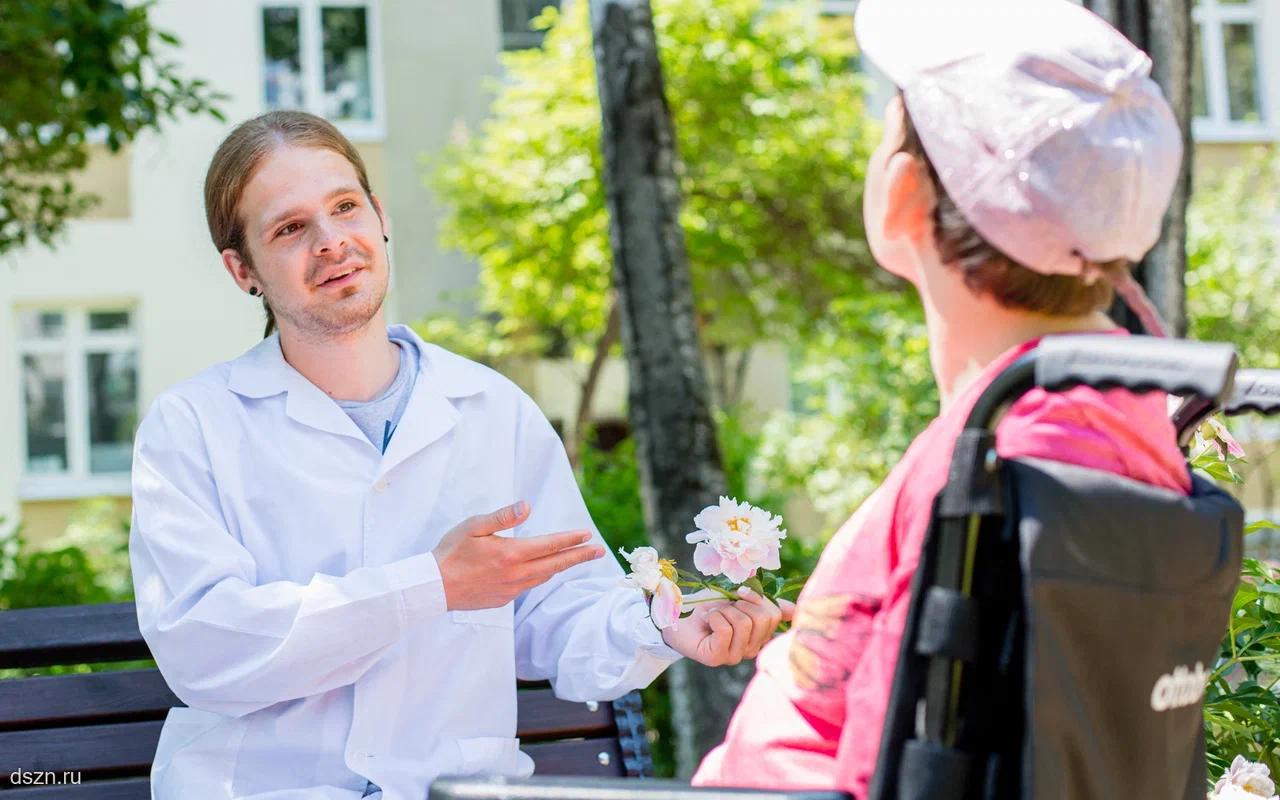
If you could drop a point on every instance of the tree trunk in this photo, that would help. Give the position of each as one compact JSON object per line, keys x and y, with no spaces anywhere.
{"x":603,"y":345}
{"x":670,"y":411}
{"x":1163,"y":29}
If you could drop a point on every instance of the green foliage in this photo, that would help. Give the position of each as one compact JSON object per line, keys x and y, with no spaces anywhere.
{"x":480,"y":339}
{"x":865,"y":391}
{"x":70,"y":69}
{"x":1233,"y":261}
{"x":1241,"y":708}
{"x":772,"y":138}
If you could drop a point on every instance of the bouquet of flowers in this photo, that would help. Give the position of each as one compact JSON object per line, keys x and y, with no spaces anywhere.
{"x":737,"y":546}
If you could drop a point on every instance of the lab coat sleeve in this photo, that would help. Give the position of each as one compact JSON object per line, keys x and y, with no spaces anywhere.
{"x":583,"y":630}
{"x":223,"y":641}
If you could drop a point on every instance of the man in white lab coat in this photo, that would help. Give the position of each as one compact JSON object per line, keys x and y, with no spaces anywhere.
{"x":348,"y":544}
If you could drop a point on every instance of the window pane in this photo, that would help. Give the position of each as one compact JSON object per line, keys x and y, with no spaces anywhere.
{"x":517,"y":23}
{"x":113,"y":403}
{"x":40,"y":324}
{"x":283,"y":58}
{"x":109,"y":320}
{"x":1199,"y":100}
{"x":1242,"y":71}
{"x":347,"y":83}
{"x":43,"y":379}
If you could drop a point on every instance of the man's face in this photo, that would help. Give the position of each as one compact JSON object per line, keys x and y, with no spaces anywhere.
{"x":314,"y":241}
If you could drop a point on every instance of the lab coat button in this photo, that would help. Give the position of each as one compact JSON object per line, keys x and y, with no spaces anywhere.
{"x":380,"y":485}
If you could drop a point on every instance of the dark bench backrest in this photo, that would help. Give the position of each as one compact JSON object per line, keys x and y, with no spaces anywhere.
{"x":102,"y":727}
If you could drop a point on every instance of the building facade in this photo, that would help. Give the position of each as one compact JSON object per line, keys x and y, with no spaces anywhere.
{"x":134,"y":297}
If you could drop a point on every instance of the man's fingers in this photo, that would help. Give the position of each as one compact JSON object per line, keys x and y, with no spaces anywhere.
{"x":500,"y":520}
{"x":788,"y":609}
{"x":720,"y":640}
{"x":765,"y":617}
{"x":741,"y":632}
{"x":534,"y":547}
{"x":541,"y":569}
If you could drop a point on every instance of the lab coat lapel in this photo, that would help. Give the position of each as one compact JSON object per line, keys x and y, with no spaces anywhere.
{"x":263,"y":372}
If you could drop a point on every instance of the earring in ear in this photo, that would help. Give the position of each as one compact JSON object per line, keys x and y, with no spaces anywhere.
{"x":386,"y":238}
{"x":253,"y":290}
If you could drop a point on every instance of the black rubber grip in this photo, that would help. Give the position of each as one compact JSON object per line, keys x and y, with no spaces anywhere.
{"x":1137,"y":363}
{"x":1257,"y":391}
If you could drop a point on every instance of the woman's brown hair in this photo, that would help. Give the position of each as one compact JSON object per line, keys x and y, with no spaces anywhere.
{"x":239,"y":157}
{"x":988,"y":271}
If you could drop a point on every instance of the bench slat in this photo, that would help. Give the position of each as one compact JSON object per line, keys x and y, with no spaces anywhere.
{"x":127,"y":749}
{"x":130,"y":789}
{"x":88,"y":634}
{"x":53,"y":700}
{"x":98,"y":750}
{"x":139,"y":695}
{"x":577,"y":758}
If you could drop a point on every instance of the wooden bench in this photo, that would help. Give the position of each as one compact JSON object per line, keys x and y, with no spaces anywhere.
{"x":103,"y":726}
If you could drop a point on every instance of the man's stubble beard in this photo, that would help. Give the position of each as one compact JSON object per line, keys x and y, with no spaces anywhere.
{"x":337,"y":317}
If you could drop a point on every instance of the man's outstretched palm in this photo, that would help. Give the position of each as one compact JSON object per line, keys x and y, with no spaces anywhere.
{"x":720,"y":632}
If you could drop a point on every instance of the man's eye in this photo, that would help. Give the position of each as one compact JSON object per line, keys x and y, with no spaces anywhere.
{"x":288,"y":229}
{"x":345,"y":206}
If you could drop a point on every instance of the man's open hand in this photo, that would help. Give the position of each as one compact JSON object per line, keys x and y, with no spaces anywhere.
{"x":481,"y":570}
{"x":723,"y":633}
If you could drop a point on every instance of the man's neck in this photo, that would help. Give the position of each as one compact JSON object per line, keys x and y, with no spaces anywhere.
{"x":357,"y":366}
{"x":976,"y":331}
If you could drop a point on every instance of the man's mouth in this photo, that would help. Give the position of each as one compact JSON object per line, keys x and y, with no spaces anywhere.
{"x":342,"y":276}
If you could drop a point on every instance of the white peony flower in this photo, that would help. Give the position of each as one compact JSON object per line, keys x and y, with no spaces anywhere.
{"x":1245,"y":780}
{"x":646,"y":568}
{"x":736,"y":539}
{"x":667,"y":604}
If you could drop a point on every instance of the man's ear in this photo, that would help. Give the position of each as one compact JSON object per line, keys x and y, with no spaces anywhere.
{"x":909,"y":198}
{"x":239,"y":270}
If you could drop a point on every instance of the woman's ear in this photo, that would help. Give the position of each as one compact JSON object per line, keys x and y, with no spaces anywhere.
{"x":909,"y":198}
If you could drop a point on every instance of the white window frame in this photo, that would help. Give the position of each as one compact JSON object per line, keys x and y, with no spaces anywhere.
{"x":311,"y":59}
{"x":75,"y":344}
{"x":1210,"y":16}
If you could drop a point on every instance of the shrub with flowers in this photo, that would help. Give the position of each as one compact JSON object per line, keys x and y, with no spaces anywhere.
{"x":738,"y":545}
{"x":1241,"y":708}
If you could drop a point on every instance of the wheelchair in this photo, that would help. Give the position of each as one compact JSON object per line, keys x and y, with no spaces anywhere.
{"x":1062,"y":620}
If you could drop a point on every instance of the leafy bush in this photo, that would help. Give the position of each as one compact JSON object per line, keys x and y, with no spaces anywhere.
{"x":1241,"y":708}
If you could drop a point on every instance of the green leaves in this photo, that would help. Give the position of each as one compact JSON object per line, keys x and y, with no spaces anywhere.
{"x":772,"y":138}
{"x":1261,"y":525}
{"x":74,"y":72}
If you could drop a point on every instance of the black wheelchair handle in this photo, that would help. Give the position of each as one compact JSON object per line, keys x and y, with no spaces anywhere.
{"x":1137,"y":363}
{"x":1107,"y":361}
{"x":1257,"y":391}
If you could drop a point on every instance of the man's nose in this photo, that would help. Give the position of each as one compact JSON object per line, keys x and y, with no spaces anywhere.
{"x":329,"y":237}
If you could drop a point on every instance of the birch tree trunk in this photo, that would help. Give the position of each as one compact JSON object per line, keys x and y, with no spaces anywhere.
{"x":1163,"y":29}
{"x":670,"y":407}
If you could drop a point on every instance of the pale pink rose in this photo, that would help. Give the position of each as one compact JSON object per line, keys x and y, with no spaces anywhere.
{"x":736,"y":539}
{"x":666,"y":605}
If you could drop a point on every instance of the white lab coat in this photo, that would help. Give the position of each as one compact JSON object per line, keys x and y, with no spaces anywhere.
{"x":286,"y":587}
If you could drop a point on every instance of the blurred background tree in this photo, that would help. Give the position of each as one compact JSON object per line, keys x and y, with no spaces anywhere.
{"x":772,"y":138}
{"x":75,"y":72}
